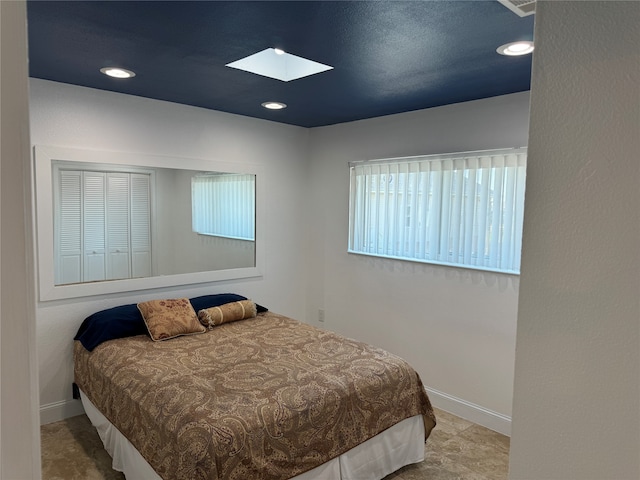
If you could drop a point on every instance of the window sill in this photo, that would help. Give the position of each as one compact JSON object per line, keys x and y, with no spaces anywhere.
{"x":435,"y":262}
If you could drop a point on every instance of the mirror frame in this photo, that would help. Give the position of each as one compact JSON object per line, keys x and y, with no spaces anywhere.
{"x":43,"y":158}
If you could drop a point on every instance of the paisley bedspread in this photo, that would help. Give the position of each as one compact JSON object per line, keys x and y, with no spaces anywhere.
{"x":264,"y":398}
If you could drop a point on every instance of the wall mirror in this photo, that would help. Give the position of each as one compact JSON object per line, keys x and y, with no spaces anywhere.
{"x":109,"y":222}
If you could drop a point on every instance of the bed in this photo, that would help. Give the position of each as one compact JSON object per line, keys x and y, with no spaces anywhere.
{"x":262,"y":397}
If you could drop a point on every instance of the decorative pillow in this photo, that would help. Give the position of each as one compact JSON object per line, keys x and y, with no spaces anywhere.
{"x":117,"y":322}
{"x":229,"y":312}
{"x":170,"y":318}
{"x":208,"y":301}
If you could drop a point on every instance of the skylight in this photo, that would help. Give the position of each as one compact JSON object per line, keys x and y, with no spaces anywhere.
{"x":274,"y":63}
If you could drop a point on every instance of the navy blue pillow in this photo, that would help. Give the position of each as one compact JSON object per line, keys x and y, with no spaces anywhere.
{"x":117,"y":322}
{"x":208,"y":301}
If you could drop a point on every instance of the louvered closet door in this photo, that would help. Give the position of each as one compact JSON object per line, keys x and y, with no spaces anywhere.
{"x":68,"y":235}
{"x":118,"y":233}
{"x":103,"y":226}
{"x":94,"y":227}
{"x":140,"y":225}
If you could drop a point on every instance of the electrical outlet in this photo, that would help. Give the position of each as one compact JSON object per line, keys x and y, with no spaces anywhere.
{"x":321,"y":315}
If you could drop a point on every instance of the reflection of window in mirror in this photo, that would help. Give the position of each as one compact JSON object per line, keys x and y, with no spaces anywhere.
{"x":223,"y":205}
{"x":102,"y":223}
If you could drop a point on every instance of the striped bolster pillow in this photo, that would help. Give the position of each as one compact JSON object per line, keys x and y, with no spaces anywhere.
{"x":229,"y":312}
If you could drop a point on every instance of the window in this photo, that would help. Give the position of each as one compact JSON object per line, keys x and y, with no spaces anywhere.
{"x":463,"y":209}
{"x":103,"y":227}
{"x":223,"y":204}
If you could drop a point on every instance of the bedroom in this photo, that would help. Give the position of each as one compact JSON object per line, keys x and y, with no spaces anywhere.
{"x":288,"y":145}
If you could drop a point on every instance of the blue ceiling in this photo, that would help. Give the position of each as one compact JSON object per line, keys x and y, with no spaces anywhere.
{"x":388,"y":56}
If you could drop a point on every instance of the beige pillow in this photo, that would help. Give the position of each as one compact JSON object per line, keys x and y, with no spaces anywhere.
{"x":229,"y":312}
{"x":170,"y":318}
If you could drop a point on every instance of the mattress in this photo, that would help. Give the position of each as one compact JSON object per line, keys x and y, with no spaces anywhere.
{"x":267,"y":398}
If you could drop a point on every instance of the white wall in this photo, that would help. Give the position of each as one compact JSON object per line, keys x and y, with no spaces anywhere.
{"x":455,"y":326}
{"x":69,"y":116}
{"x":19,"y":429}
{"x":577,"y":389}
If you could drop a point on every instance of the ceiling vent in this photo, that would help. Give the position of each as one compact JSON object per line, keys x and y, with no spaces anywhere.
{"x":520,"y":7}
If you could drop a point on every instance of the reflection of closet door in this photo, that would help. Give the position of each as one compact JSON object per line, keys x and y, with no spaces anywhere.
{"x":93,"y":216}
{"x":103,"y":226}
{"x":118,"y":225}
{"x":68,"y":228}
{"x":140,"y":225}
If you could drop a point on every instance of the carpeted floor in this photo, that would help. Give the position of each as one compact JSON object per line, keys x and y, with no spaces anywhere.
{"x":457,"y":449}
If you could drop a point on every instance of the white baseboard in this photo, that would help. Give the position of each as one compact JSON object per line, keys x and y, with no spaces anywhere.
{"x":54,"y":412}
{"x":469,"y":411}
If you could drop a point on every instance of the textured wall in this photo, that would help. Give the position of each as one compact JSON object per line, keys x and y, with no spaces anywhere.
{"x":576,"y":411}
{"x":19,"y":433}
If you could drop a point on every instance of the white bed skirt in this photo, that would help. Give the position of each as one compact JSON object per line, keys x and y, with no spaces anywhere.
{"x":400,"y":445}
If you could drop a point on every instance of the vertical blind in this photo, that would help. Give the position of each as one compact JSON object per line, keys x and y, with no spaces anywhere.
{"x":461,"y":209}
{"x":224,"y":205}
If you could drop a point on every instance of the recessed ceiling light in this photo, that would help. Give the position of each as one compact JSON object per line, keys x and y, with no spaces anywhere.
{"x":515,"y":48}
{"x":274,"y":105}
{"x":116,"y":72}
{"x":278,"y":51}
